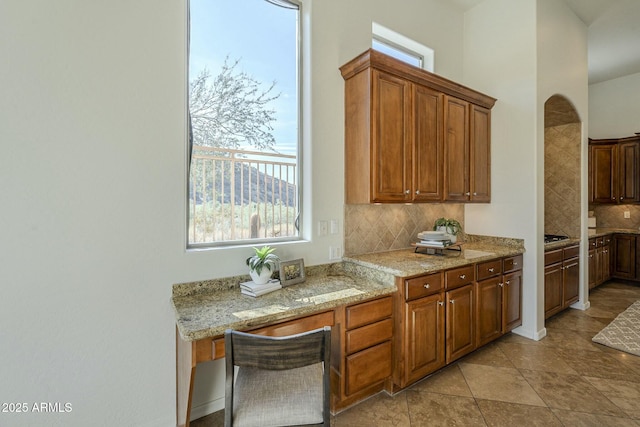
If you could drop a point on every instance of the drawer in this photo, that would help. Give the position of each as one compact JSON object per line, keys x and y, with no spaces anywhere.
{"x":571,"y":252}
{"x":297,"y":326}
{"x":606,"y":240}
{"x":489,"y":269}
{"x":369,"y":335}
{"x":368,"y":312}
{"x":552,"y":257}
{"x":422,"y":286}
{"x":368,"y":367}
{"x":460,"y":276}
{"x":512,"y":263}
{"x":592,"y":243}
{"x":600,"y":242}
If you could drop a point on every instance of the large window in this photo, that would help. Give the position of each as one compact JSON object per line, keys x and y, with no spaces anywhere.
{"x":244,"y":109}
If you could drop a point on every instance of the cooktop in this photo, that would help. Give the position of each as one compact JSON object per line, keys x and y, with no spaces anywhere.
{"x":549,"y":238}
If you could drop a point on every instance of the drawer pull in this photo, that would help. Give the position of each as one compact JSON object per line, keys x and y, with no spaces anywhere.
{"x":508,"y":282}
{"x":515,"y":263}
{"x":452,"y":301}
{"x":501,"y":284}
{"x":463,"y":276}
{"x":491,"y":270}
{"x":440,"y":303}
{"x":427,"y":286}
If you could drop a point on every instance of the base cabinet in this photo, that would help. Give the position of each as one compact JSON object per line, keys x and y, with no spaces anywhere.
{"x":624,"y":256}
{"x":561,"y":279}
{"x":446,"y":315}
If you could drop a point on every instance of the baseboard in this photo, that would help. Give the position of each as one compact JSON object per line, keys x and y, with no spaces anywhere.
{"x":580,"y":306}
{"x":207,"y":408}
{"x":532,"y":335}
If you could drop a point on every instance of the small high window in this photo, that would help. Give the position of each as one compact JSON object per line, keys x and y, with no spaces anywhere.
{"x":400,"y":47}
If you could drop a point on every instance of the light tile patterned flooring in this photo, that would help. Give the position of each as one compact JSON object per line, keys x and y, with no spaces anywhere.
{"x":562,"y":380}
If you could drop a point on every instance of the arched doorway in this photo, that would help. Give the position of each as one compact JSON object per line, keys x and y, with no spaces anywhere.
{"x":562,"y":165}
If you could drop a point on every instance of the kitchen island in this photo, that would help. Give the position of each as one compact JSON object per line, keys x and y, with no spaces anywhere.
{"x":363,"y":298}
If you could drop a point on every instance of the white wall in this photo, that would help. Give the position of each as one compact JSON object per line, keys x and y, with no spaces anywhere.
{"x":614,"y":109}
{"x":522,"y":52}
{"x":500,"y":60}
{"x":92,"y":181}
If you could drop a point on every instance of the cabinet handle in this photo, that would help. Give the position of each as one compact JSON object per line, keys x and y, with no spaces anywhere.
{"x":508,"y":282}
{"x":467,"y":193}
{"x":515,"y":264}
{"x":501,"y":284}
{"x":463,"y":276}
{"x":475,"y":194}
{"x":452,"y":301}
{"x":417,"y":192}
{"x":621,"y":198}
{"x":440,"y":303}
{"x":427,"y":286}
{"x":491,"y":270}
{"x":407,"y":191}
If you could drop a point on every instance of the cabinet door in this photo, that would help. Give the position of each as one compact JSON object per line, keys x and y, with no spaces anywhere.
{"x":602,"y":170}
{"x":512,"y":311}
{"x":425,"y":331}
{"x":570,"y":281}
{"x":480,"y":154}
{"x":605,"y":262}
{"x":552,"y":289}
{"x":593,"y":269}
{"x":391,"y":139}
{"x":460,"y":323}
{"x":628,"y":173}
{"x":624,"y":256}
{"x":427,"y":144}
{"x":367,"y":367}
{"x":489,"y":310}
{"x":456,"y":150}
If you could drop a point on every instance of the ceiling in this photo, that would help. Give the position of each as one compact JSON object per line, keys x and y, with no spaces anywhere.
{"x":613,"y":32}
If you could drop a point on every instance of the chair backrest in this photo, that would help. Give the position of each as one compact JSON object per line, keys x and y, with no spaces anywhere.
{"x":278,"y":353}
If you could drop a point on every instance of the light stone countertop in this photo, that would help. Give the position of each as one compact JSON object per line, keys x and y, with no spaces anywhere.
{"x":600,"y":231}
{"x":205,"y":309}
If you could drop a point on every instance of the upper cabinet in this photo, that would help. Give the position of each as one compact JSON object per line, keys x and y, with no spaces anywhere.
{"x":413,"y":136}
{"x":614,"y":170}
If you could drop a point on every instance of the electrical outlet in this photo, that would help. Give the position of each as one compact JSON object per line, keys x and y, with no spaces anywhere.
{"x":335,"y":252}
{"x":323,"y":228}
{"x":333,"y":226}
{"x":627,"y":214}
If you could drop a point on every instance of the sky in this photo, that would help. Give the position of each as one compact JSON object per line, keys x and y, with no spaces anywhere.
{"x":263,"y":37}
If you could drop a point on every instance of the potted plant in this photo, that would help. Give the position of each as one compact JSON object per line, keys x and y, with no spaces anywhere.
{"x":450,"y":226}
{"x":262,"y":264}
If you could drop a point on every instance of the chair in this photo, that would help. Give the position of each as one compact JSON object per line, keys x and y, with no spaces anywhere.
{"x":280,"y":380}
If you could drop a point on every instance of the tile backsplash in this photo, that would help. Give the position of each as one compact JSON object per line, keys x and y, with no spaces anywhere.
{"x":377,"y":228}
{"x":612,"y":216}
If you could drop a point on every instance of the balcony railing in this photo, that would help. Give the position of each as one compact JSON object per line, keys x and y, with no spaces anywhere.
{"x":241,"y":195}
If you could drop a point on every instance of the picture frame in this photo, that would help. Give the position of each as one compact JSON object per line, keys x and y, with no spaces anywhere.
{"x":292,"y":272}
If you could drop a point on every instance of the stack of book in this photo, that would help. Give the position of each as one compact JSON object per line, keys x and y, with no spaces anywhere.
{"x":254,"y":290}
{"x":434,"y":239}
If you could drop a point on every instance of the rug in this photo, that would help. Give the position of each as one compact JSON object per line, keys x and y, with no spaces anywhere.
{"x":624,"y":332}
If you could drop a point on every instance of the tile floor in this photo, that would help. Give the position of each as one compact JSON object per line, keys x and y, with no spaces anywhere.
{"x":562,"y":380}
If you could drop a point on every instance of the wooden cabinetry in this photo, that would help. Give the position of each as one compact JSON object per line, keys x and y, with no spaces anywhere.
{"x":561,"y":279}
{"x":411,"y":136}
{"x":499,"y":298}
{"x":365,"y":358}
{"x":614,"y":170}
{"x":624,"y":256}
{"x":460,"y":322}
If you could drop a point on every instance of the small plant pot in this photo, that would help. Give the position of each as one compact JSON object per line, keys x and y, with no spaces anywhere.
{"x":262,"y":278}
{"x":447,"y":231}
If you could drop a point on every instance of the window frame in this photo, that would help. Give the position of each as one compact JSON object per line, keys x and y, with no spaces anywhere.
{"x":403,"y":44}
{"x":299,"y":222}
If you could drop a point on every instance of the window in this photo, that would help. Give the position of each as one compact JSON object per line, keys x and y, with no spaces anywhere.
{"x":401,"y":47}
{"x":244,"y":104}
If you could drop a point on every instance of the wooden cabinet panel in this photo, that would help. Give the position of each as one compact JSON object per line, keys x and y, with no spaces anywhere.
{"x":570,"y":281}
{"x":368,"y":312}
{"x":489,"y":269}
{"x":551,"y":257}
{"x":368,"y":367}
{"x":480,"y":159}
{"x":512,"y":301}
{"x":460,"y":324}
{"x":459,"y":276}
{"x":422,"y":286}
{"x":391,"y":141}
{"x":456,"y":150}
{"x":512,"y":264}
{"x":628,"y":173}
{"x":602,"y":173}
{"x":366,"y":336}
{"x":624,"y":248}
{"x":614,"y":170}
{"x":552,"y":289}
{"x":427,"y":145}
{"x":489,"y":310}
{"x":424,"y":340}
